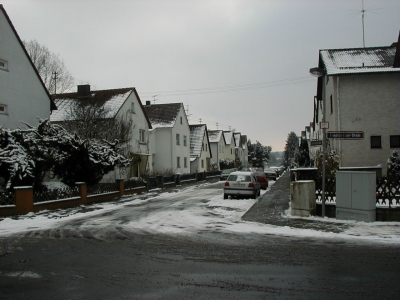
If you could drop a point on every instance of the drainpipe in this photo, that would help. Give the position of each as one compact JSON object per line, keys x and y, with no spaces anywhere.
{"x":338,"y":119}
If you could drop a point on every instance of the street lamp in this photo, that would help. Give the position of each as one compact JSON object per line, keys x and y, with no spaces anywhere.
{"x":319,"y":72}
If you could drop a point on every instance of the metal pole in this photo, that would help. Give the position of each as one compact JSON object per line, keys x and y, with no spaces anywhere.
{"x":323,"y":145}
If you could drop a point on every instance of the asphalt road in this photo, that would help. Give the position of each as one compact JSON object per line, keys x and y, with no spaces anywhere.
{"x":78,"y":261}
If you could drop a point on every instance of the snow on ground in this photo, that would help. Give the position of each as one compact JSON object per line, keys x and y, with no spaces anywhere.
{"x":193,"y":213}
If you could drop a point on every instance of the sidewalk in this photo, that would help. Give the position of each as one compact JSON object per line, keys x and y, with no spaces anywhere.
{"x":272,"y":206}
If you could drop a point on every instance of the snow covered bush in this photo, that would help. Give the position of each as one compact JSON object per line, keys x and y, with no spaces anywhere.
{"x":26,"y":155}
{"x":226,"y":163}
{"x":332,"y":160}
{"x":393,"y":165}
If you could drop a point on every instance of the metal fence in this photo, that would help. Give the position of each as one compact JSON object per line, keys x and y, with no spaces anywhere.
{"x":187,"y":176}
{"x":102,"y":188}
{"x":137,"y":183}
{"x":55,"y":194}
{"x":7,"y":198}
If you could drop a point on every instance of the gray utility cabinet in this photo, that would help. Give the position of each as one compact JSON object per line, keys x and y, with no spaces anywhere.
{"x":356,"y":196}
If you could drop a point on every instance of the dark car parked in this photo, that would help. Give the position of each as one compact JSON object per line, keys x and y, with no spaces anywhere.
{"x":262,"y":179}
{"x":225,"y":173}
{"x":271,"y":174}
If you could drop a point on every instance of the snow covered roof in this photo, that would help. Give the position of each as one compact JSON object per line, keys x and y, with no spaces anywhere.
{"x":111,"y":99}
{"x":197,"y":133}
{"x":228,"y":137}
{"x":162,"y":115}
{"x":215,"y":136}
{"x":359,"y":60}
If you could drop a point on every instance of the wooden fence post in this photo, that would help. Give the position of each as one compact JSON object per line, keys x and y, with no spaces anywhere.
{"x":121,"y":185}
{"x":23,"y":199}
{"x":82,"y":191}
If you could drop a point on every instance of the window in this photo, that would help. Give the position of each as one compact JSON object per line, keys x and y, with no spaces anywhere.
{"x":181,"y":120}
{"x":231,"y":151}
{"x":206,"y":147}
{"x":178,"y":162}
{"x":202,"y":147}
{"x":3,"y":109}
{"x":331,"y":105}
{"x":202,"y":163}
{"x":142,"y":136}
{"x":184,"y":141}
{"x":3,"y":64}
{"x":219,"y":148}
{"x":376,"y":141}
{"x":185,"y":162}
{"x":395,"y":141}
{"x":133,"y":107}
{"x":177,"y":138}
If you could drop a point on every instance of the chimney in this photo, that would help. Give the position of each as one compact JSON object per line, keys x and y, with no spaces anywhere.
{"x":83,"y":90}
{"x":148,"y":102}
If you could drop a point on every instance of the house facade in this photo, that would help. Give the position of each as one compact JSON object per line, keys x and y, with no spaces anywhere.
{"x":245,"y":151}
{"x":200,"y":150}
{"x":121,"y":105}
{"x":361,"y":91}
{"x":23,"y":95}
{"x":217,"y":145}
{"x":230,"y":145}
{"x":169,"y":138}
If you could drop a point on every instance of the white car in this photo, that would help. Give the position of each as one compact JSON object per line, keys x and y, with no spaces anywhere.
{"x":241,"y":184}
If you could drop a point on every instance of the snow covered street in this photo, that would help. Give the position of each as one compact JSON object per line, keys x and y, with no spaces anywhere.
{"x":194,"y":212}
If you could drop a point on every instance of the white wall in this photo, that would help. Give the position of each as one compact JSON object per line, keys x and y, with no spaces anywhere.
{"x":368,"y":103}
{"x":20,"y":87}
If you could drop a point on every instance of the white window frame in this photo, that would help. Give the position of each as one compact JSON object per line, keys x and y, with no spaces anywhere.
{"x":3,"y":64}
{"x":3,"y":109}
{"x":142,"y":136}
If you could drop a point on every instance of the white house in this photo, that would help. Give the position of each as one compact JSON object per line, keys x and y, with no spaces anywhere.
{"x":120,"y":104}
{"x":23,"y":95}
{"x":169,"y":138}
{"x":200,"y":151}
{"x":238,"y":146}
{"x":245,"y":151}
{"x":217,"y":145}
{"x":361,"y":89}
{"x":229,"y":146}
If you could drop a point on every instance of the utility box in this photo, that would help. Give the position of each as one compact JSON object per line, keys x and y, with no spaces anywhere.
{"x":356,"y":196}
{"x":302,"y":198}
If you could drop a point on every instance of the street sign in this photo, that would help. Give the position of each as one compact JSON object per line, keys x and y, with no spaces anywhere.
{"x":316,"y":143}
{"x":346,"y":135}
{"x":324,"y":125}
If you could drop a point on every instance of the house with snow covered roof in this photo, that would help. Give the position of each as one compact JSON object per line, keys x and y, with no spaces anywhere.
{"x":23,"y":95}
{"x":229,"y":145}
{"x":217,"y":145}
{"x":238,"y":147}
{"x":169,"y":138}
{"x":245,"y":151}
{"x":361,"y":89}
{"x":200,"y":151}
{"x":121,"y":105}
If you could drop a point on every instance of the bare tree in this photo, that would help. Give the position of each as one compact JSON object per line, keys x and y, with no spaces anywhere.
{"x":91,"y":119}
{"x":50,"y":66}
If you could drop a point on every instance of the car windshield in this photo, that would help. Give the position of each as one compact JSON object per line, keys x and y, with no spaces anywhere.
{"x":226,"y":171}
{"x":259,"y":174}
{"x":239,"y":178}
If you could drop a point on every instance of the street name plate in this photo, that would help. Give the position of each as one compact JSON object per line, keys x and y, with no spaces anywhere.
{"x":346,"y":135}
{"x":316,"y":143}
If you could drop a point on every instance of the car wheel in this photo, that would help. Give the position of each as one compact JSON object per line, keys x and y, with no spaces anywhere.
{"x":225,"y":196}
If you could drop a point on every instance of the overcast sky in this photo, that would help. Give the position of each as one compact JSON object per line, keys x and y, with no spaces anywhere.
{"x":241,"y":64}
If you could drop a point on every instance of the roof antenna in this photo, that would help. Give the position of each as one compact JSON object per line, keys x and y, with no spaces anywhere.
{"x":362,"y":12}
